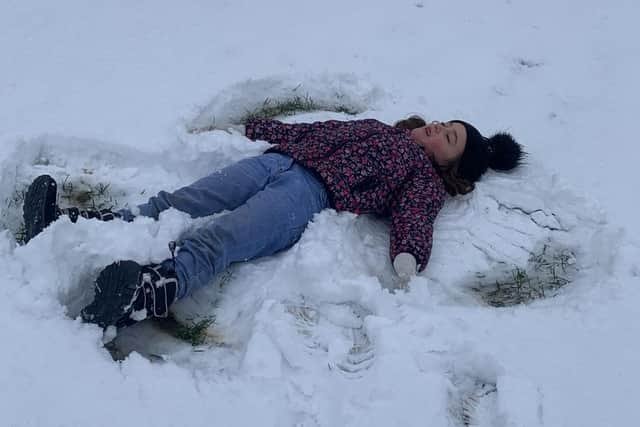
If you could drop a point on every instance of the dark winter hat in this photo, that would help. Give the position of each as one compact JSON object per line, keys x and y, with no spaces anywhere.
{"x":500,"y":152}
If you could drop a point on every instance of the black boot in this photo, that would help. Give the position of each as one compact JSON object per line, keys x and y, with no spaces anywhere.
{"x":40,"y":208}
{"x":127,"y":292}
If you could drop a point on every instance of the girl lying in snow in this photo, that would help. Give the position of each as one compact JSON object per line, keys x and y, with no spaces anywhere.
{"x":362,"y":166}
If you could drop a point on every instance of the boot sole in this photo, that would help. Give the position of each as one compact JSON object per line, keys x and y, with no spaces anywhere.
{"x":115,"y":287}
{"x":39,"y":209}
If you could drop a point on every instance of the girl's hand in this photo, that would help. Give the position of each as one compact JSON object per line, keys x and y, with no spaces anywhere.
{"x":405,"y":265}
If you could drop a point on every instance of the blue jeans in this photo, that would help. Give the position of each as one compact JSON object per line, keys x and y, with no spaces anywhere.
{"x":270,"y":198}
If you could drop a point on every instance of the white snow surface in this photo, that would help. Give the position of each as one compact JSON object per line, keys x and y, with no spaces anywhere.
{"x":98,"y":93}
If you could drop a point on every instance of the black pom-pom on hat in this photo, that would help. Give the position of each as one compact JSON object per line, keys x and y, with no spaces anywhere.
{"x":500,"y":152}
{"x":504,"y":152}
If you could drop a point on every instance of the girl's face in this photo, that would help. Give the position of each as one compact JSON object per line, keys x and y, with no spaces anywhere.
{"x":442,"y":142}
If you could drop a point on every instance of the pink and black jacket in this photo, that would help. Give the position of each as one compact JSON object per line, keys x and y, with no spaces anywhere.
{"x":367,"y":167}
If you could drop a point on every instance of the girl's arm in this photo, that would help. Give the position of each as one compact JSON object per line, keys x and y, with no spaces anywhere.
{"x":413,"y":213}
{"x":276,"y":132}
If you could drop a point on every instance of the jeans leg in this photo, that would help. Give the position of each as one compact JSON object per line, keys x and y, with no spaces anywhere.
{"x":222,"y":190}
{"x":272,"y":220}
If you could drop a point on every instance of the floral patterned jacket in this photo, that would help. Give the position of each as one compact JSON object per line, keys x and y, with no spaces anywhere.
{"x":367,"y":167}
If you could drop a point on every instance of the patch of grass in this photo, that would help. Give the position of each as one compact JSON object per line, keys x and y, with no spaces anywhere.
{"x":547,"y":272}
{"x":17,"y":198}
{"x":84,"y":195}
{"x":271,"y":108}
{"x":194,"y":333}
{"x":288,"y":106}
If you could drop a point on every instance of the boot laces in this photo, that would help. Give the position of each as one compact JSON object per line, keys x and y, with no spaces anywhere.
{"x":151,"y":293}
{"x":153,"y":288}
{"x":75,"y":213}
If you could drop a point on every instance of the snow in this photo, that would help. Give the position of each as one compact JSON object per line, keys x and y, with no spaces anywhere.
{"x":104,"y":94}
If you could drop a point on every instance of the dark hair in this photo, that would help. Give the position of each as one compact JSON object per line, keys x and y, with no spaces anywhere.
{"x":453,"y":183}
{"x":410,"y":123}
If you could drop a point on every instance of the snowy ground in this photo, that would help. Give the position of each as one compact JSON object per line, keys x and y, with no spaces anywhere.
{"x":104,"y":94}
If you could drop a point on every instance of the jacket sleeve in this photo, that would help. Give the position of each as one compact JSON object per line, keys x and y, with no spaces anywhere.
{"x":413,"y":213}
{"x":276,"y":132}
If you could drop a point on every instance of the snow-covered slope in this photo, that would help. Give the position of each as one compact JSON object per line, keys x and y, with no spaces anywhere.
{"x":103,"y":97}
